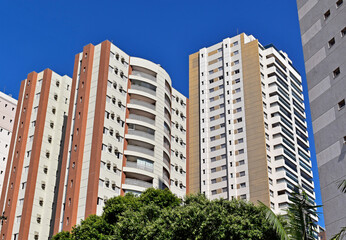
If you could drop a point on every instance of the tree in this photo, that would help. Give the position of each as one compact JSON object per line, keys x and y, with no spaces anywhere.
{"x":159,"y":214}
{"x":300,"y":217}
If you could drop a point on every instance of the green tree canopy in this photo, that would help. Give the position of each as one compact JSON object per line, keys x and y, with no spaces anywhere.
{"x":159,"y":214}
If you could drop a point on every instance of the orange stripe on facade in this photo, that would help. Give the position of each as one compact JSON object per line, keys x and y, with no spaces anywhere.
{"x":35,"y":156}
{"x":96,"y":145}
{"x":77,"y":150}
{"x":18,"y":154}
{"x":61,"y":186}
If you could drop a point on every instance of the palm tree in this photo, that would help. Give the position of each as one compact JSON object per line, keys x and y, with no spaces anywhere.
{"x":342,"y":233}
{"x":300,"y":217}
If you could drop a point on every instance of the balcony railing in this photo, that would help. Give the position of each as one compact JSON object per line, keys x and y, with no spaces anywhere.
{"x":139,"y":166}
{"x":165,"y":177}
{"x":142,"y":118}
{"x":137,"y":182}
{"x":166,"y":146}
{"x":140,"y":150}
{"x":167,"y":117}
{"x":141,"y":134}
{"x":165,"y":161}
{"x":144,"y":89}
{"x":144,"y":75}
{"x":142,"y":103}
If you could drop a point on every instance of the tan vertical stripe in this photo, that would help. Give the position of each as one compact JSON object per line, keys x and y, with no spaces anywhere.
{"x":256,"y":146}
{"x":61,"y":186}
{"x":35,"y":156}
{"x":72,"y":192}
{"x":96,"y":145}
{"x":18,"y":155}
{"x":194,"y":154}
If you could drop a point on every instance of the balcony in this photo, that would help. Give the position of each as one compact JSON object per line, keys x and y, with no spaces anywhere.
{"x":142,"y":118}
{"x":143,"y":75}
{"x":141,"y":134}
{"x":142,"y":103}
{"x":165,"y":177}
{"x":137,"y":182}
{"x":139,"y":166}
{"x":166,"y":162}
{"x":143,"y":89}
{"x":140,"y":150}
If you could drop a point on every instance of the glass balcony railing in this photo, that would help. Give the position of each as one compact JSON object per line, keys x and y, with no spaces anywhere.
{"x":165,"y":177}
{"x":142,"y":103}
{"x":139,"y":166}
{"x":144,"y":75}
{"x":141,"y":134}
{"x":137,"y":182}
{"x":140,"y":150}
{"x":144,"y":89}
{"x":142,"y":118}
{"x":166,"y":162}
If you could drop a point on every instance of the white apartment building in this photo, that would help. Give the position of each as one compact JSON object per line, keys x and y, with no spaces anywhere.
{"x":7,"y":114}
{"x":126,"y":132}
{"x":252,"y":133}
{"x":29,"y":183}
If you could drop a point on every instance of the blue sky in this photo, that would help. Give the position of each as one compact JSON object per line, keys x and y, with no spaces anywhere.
{"x":35,"y":35}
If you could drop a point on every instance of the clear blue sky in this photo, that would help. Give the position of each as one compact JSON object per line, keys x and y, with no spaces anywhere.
{"x":35,"y":35}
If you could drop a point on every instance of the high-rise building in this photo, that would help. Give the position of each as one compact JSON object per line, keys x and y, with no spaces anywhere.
{"x":117,"y":126}
{"x":29,"y":183}
{"x":7,"y":113}
{"x":248,"y":135}
{"x":126,"y":132}
{"x":323,"y":30}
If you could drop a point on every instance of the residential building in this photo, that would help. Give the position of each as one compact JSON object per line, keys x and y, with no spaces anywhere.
{"x":117,"y":126}
{"x":126,"y":132}
{"x":7,"y":113}
{"x":248,"y":136}
{"x":27,"y":199}
{"x":323,"y":30}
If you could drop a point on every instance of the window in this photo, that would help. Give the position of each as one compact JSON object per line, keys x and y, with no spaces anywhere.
{"x":344,"y":139}
{"x":338,"y":3}
{"x":341,"y":104}
{"x":235,"y":52}
{"x":242,"y":185}
{"x":326,"y":15}
{"x":336,"y":72}
{"x":343,"y":32}
{"x":236,"y":71}
{"x":241,"y":162}
{"x":331,"y":42}
{"x":55,"y":97}
{"x":242,"y":174}
{"x":57,"y":83}
{"x":235,"y":43}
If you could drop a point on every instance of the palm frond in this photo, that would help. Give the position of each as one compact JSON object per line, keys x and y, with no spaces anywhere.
{"x":274,"y":220}
{"x":341,"y":235}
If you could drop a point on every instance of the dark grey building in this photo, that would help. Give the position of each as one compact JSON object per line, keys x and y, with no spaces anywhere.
{"x":323,"y":32}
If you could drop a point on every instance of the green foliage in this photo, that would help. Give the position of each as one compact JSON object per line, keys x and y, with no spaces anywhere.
{"x":158,"y":214}
{"x":300,"y":216}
